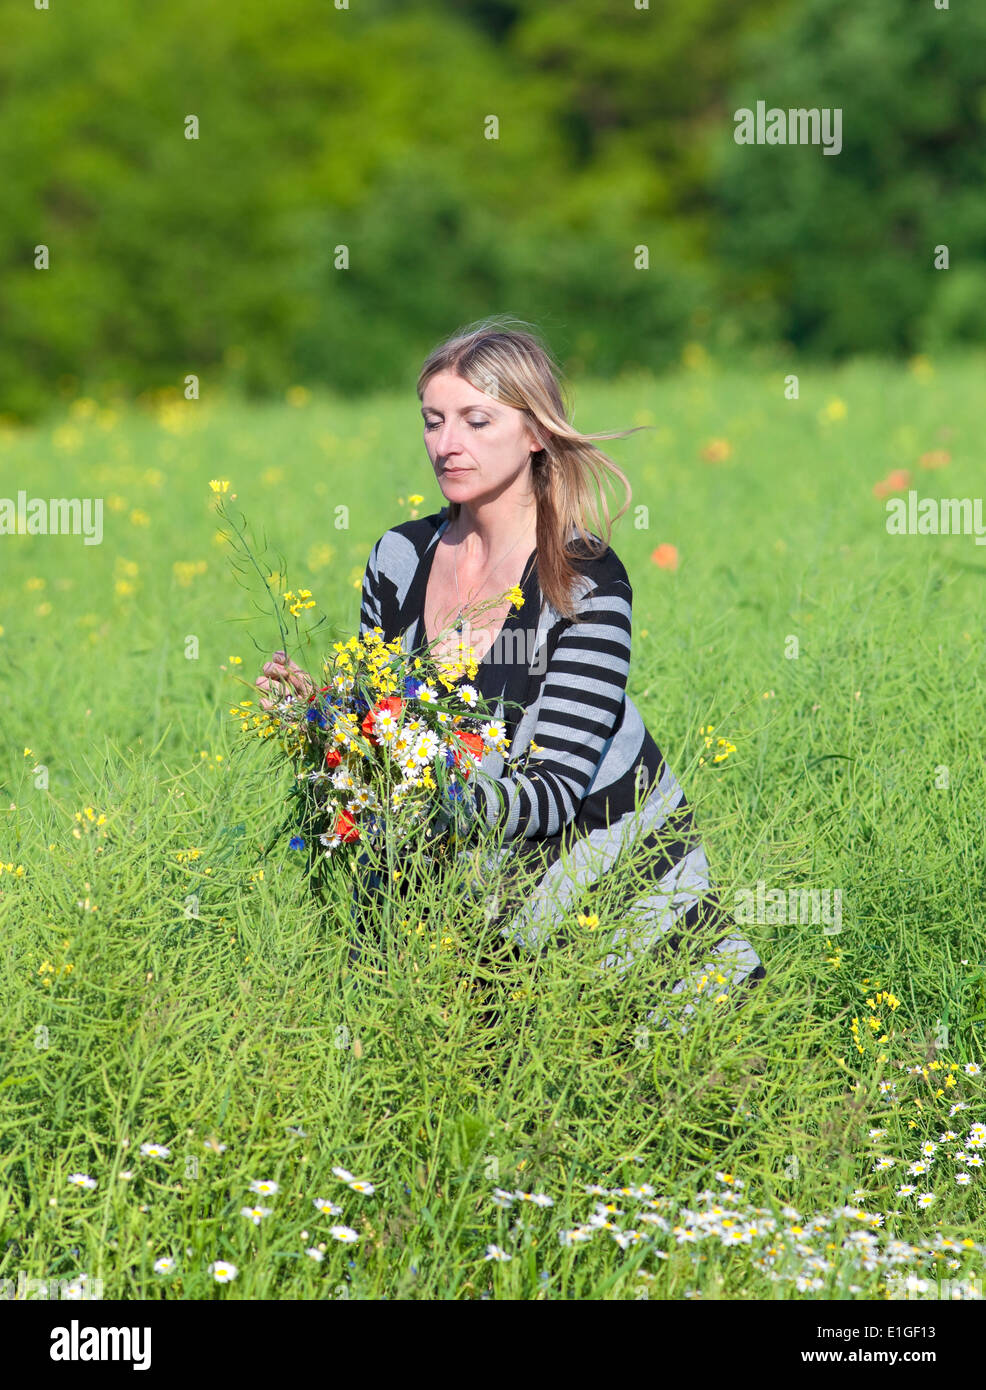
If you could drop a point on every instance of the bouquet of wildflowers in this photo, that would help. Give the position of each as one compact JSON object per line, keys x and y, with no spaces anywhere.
{"x":385,"y":751}
{"x":379,"y":746}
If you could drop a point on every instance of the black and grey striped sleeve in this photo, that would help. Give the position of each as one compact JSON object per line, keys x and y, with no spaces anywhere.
{"x":371,"y":612}
{"x":582,"y":699}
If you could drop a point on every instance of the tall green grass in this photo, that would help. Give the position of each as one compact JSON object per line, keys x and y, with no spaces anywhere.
{"x":420,"y":1069}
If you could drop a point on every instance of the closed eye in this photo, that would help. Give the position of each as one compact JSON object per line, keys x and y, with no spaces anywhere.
{"x":476,"y":424}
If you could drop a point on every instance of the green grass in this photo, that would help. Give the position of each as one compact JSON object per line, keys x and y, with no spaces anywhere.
{"x":245,"y":1020}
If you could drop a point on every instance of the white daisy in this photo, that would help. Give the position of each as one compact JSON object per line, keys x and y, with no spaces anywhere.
{"x":81,"y":1180}
{"x":265,"y":1186}
{"x":256,"y":1214}
{"x":576,"y":1235}
{"x":223,"y":1271}
{"x":493,"y":1252}
{"x":344,"y":1233}
{"x":492,"y":734}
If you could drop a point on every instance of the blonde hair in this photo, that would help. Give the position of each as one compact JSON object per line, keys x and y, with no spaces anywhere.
{"x":513,"y":365}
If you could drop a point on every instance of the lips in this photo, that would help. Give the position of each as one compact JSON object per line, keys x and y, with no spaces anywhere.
{"x":453,"y":472}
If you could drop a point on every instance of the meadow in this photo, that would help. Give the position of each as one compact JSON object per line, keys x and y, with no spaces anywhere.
{"x":202,"y":1097}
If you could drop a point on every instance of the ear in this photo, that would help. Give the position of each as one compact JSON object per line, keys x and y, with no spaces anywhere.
{"x":534,"y":434}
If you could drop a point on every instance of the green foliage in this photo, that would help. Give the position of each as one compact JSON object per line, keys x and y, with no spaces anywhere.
{"x":843,"y":246}
{"x":362,"y":132}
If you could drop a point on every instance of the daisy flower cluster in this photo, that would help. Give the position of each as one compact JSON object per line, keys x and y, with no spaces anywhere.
{"x":256,"y":1212}
{"x":925,"y":1096}
{"x":810,"y":1254}
{"x":948,"y":1163}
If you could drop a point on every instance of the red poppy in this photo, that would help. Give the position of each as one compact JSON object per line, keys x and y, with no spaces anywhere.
{"x":393,"y":703}
{"x":346,"y":828}
{"x":333,"y":758}
{"x":473,"y":742}
{"x":896,"y":481}
{"x":665,"y":557}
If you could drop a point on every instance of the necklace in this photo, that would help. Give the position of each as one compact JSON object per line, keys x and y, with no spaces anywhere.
{"x":457,"y":626}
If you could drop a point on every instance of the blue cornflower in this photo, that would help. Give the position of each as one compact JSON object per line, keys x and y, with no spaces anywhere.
{"x":315,"y":716}
{"x":411,"y":686}
{"x":296,"y":842}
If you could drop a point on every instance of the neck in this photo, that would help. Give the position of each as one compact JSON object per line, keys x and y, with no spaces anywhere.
{"x":484,"y":533}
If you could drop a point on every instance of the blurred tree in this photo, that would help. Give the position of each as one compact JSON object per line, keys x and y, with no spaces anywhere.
{"x":326,"y":135}
{"x":842,"y":245}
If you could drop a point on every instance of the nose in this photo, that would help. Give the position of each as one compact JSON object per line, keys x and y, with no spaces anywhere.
{"x":445,"y":442}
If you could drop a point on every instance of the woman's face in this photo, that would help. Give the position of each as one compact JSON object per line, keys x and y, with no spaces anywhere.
{"x":477,"y":445}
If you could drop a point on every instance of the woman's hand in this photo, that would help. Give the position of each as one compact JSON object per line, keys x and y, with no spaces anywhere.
{"x":282,"y":676}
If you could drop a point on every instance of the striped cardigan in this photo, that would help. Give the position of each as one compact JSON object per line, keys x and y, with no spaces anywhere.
{"x":596,"y":791}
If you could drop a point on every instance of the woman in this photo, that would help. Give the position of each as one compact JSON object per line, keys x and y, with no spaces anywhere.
{"x":595,"y":793}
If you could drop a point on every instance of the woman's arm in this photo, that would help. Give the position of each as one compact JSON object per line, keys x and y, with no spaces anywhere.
{"x":581,"y":702}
